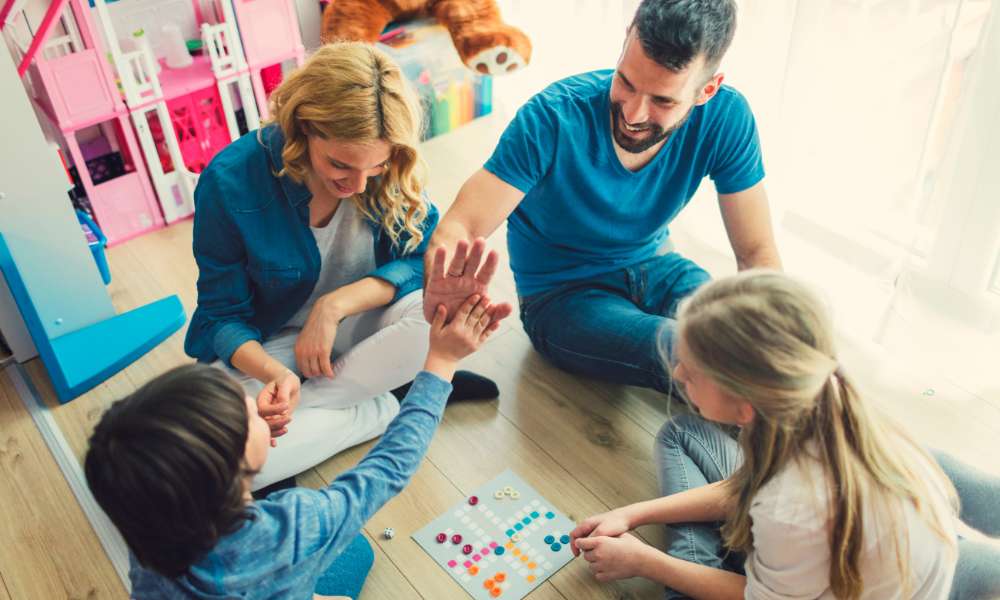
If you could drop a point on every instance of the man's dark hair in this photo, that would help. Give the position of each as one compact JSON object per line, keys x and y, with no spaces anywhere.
{"x":674,"y":32}
{"x":166,"y":465}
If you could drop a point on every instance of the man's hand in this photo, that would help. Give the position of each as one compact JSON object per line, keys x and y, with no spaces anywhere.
{"x":467,"y":275}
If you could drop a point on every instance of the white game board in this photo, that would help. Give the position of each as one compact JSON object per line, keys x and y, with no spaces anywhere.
{"x":514,"y":538}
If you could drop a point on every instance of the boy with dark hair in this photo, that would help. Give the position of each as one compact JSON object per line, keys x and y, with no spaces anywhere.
{"x":171,"y":465}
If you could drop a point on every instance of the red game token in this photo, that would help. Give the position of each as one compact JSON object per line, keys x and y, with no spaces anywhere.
{"x":473,"y":500}
{"x":441,"y":538}
{"x":467,"y":549}
{"x":456,"y":539}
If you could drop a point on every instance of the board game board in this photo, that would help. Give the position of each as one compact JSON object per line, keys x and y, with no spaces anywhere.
{"x":502,"y":541}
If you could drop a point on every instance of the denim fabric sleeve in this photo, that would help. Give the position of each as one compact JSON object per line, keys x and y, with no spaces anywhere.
{"x":220,"y":323}
{"x":526,"y":148}
{"x":327,"y":520}
{"x":739,"y":162}
{"x":406,"y":272}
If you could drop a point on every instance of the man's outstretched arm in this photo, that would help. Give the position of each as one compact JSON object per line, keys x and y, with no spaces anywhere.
{"x":482,"y":204}
{"x":747,"y":218}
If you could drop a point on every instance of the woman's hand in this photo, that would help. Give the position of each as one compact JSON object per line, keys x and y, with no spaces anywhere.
{"x":612,"y":524}
{"x":314,"y":345}
{"x":613,"y":558}
{"x":276,"y":402}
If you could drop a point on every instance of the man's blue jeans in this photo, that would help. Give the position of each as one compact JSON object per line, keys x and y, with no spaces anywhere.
{"x":610,"y":327}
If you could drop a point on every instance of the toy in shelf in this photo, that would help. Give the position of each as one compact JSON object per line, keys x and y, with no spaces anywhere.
{"x":168,"y":120}
{"x":451,"y":94}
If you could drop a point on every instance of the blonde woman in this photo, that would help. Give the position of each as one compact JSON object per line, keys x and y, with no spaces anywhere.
{"x":309,"y":237}
{"x":819,"y":496}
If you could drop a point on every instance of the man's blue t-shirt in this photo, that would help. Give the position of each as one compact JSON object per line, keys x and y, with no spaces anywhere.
{"x":583,"y":213}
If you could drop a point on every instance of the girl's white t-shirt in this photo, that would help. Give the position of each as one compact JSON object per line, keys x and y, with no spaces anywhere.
{"x":791,"y":556}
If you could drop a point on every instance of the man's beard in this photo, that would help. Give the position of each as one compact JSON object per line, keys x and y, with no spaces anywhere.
{"x":655,"y":133}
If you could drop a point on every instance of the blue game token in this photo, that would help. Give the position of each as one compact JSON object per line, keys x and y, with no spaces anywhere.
{"x":556,"y":547}
{"x":549,"y":539}
{"x":526,"y":520}
{"x":550,"y":515}
{"x":499,"y":550}
{"x":534,"y":514}
{"x":510,"y":532}
{"x":518,"y":526}
{"x":564,"y":539}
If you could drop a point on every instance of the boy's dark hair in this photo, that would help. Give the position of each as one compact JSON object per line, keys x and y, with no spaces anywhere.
{"x":674,"y":32}
{"x":166,"y":465}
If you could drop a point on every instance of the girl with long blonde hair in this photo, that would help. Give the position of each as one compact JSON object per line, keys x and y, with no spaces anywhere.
{"x":309,"y":236}
{"x":819,"y":495}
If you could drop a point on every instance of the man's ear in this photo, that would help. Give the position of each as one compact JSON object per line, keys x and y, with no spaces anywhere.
{"x":709,"y":89}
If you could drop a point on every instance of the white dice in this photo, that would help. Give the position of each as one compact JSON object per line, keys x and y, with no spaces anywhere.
{"x":389,"y":533}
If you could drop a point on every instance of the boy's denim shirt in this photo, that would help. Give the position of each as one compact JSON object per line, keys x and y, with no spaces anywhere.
{"x":257,"y":258}
{"x":297,"y":534}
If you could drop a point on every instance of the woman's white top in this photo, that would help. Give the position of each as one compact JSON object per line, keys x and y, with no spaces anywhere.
{"x":347,"y":251}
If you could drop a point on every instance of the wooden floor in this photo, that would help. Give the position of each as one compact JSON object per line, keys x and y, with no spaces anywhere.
{"x":585,"y":445}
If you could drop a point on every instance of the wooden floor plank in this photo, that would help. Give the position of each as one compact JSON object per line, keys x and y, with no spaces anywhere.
{"x":49,"y":548}
{"x":385,"y":579}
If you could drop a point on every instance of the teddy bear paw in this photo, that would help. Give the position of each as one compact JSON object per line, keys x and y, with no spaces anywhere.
{"x":498,"y":60}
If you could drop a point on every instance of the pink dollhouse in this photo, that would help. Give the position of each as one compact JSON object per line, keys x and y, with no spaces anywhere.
{"x":134,"y":131}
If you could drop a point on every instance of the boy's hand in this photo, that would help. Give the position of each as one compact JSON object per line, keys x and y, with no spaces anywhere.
{"x":612,"y":524}
{"x":613,"y":558}
{"x":471,"y":326}
{"x":276,"y":402}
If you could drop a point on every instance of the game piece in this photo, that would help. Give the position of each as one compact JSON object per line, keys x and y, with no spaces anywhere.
{"x":441,"y":538}
{"x":389,"y":533}
{"x":510,"y":541}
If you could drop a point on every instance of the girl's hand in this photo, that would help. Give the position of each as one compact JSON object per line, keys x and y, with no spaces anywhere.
{"x":276,"y":402}
{"x":612,"y":524}
{"x":613,"y":558}
{"x":315,"y":342}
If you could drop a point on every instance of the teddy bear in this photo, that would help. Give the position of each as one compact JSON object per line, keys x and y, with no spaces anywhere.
{"x":484,"y":42}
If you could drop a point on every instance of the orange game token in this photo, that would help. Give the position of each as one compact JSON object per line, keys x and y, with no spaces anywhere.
{"x":495,"y":592}
{"x":500,"y":577}
{"x":473,"y":570}
{"x":530,"y":578}
{"x":488,"y":584}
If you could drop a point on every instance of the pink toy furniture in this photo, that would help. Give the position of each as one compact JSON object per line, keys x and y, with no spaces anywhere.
{"x":271,"y":36}
{"x":74,"y":89}
{"x":137,"y":136}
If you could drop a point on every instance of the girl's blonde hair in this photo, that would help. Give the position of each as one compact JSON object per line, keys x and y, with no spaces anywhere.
{"x":766,"y":338}
{"x":356,"y":93}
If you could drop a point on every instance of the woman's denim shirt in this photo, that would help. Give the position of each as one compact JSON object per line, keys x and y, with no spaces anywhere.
{"x":257,"y":258}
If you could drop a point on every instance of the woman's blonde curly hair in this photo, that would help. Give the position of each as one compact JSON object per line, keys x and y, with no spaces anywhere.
{"x":356,"y":93}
